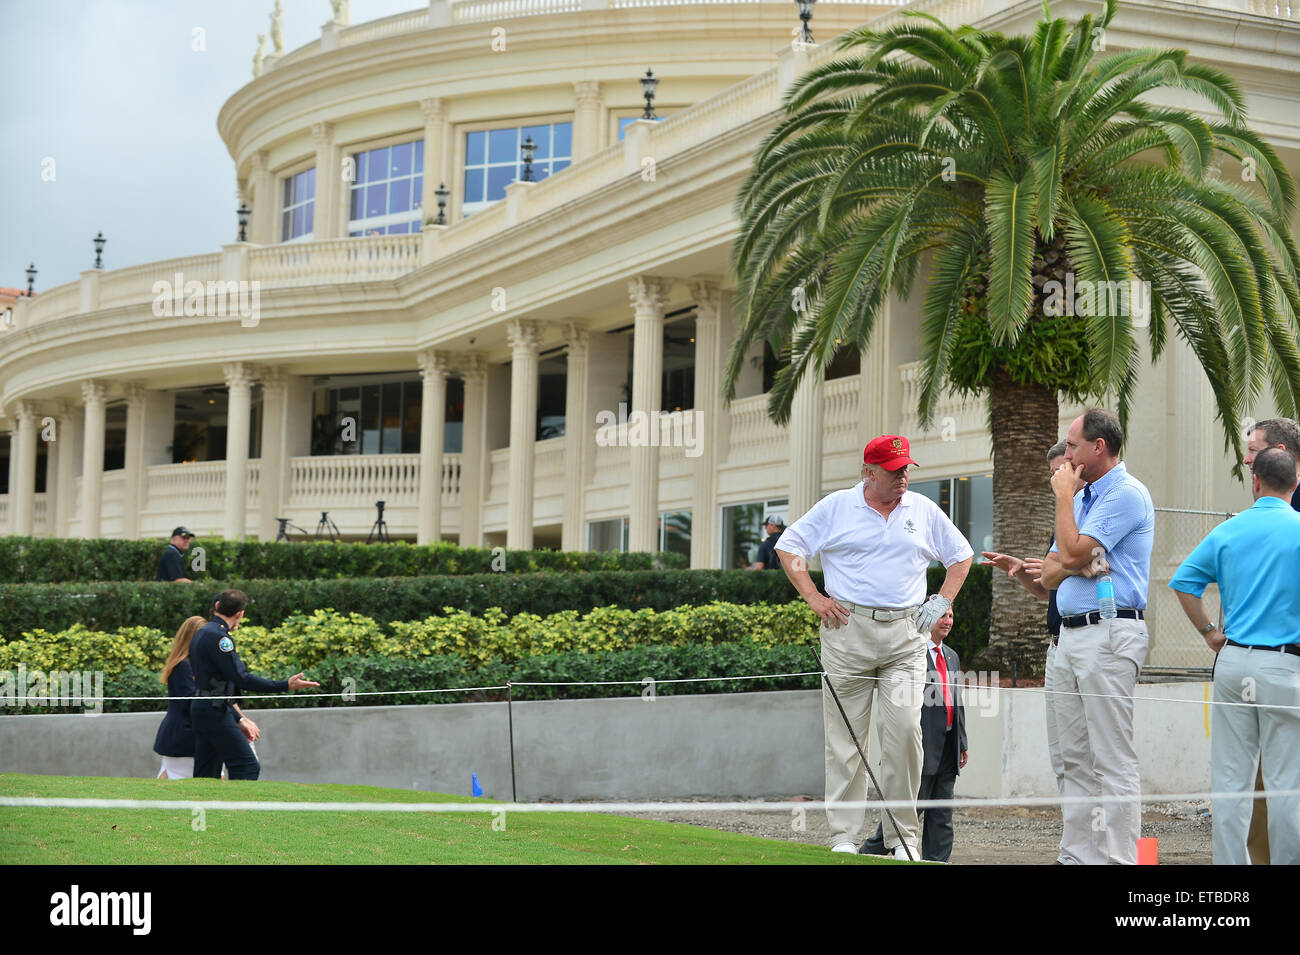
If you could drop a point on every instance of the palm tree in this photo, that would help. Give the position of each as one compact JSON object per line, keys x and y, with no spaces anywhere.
{"x":999,"y":167}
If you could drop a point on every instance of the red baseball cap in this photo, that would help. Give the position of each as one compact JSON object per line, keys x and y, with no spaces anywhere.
{"x":890,"y":451}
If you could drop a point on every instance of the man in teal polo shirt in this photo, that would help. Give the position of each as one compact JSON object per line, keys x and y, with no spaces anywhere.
{"x":1255,"y":559}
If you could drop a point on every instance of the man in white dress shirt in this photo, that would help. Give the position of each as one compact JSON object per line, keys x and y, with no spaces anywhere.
{"x":875,"y":541}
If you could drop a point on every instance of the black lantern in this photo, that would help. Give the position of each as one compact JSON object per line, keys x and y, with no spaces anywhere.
{"x":31,"y":280}
{"x":805,"y":14}
{"x":442,"y":192}
{"x":529,"y":150}
{"x":99,"y":241}
{"x":243,"y":212}
{"x":649,"y":83}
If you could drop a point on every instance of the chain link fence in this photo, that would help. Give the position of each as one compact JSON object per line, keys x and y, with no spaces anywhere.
{"x":1175,"y":645}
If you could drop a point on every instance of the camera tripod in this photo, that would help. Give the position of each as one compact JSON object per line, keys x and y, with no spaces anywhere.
{"x":282,"y":534}
{"x":380,"y":526}
{"x":326,"y":527}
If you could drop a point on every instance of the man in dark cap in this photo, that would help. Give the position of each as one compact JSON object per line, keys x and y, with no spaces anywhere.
{"x":773,"y":525}
{"x":171,"y":566}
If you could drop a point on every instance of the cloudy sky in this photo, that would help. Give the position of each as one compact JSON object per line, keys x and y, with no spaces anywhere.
{"x":108,"y":115}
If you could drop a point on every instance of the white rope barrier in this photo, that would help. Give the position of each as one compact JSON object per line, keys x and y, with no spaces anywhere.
{"x":617,"y":808}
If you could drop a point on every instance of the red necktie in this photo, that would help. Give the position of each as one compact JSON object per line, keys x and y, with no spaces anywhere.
{"x":942,"y":666}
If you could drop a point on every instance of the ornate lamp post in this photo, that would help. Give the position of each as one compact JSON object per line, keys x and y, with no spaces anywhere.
{"x":99,"y":241}
{"x":529,"y":150}
{"x":649,"y":83}
{"x":31,"y":280}
{"x":243,"y":212}
{"x":442,"y":192}
{"x":805,"y":14}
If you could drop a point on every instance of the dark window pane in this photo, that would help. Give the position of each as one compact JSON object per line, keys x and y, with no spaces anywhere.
{"x":391,"y":423}
{"x":563,"y":144}
{"x":309,"y":187}
{"x":358,"y":198}
{"x":411,"y":407}
{"x":399,"y":163}
{"x":309,"y":219}
{"x":419,"y":154}
{"x":369,"y":424}
{"x":503,"y":145}
{"x":475,"y":148}
{"x":299,"y":221}
{"x":288,"y":193}
{"x":360,"y":159}
{"x":286,"y":224}
{"x":498,"y":178}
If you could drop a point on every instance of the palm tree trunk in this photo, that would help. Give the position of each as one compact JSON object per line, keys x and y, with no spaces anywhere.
{"x":1024,"y":424}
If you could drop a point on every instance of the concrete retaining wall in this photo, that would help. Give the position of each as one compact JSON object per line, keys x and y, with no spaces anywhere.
{"x":742,"y":744}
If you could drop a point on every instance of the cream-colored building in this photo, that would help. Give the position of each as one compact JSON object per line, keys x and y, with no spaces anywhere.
{"x":466,"y":373}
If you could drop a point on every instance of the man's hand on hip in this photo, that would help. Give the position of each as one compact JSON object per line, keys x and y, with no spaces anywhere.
{"x":930,"y":612}
{"x":833,"y":615}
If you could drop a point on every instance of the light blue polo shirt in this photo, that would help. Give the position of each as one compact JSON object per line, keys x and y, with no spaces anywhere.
{"x":1122,"y":520}
{"x":1255,"y":559}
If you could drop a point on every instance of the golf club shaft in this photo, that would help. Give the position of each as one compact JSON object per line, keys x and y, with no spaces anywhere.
{"x":866,"y":765}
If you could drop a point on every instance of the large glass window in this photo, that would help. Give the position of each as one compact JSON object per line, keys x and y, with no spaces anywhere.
{"x":742,"y":530}
{"x":677,"y":384}
{"x":968,"y":502}
{"x":610,"y":535}
{"x":296,"y":219}
{"x":369,"y":418}
{"x":675,"y":532}
{"x":493,"y":160}
{"x":386,"y":196}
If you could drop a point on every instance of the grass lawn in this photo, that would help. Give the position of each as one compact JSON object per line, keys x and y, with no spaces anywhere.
{"x":144,"y":836}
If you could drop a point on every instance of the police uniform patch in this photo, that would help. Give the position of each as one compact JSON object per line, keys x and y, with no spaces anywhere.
{"x":226,"y":644}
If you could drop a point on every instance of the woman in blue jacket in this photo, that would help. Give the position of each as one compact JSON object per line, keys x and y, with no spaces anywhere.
{"x":175,"y":739}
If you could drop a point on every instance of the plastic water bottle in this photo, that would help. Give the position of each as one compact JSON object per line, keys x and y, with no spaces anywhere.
{"x":1106,"y":597}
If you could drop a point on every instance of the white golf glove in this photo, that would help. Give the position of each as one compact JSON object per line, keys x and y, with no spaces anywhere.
{"x":930,"y":612}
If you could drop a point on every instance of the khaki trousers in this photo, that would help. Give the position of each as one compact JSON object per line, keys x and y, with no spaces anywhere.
{"x":1053,"y":744}
{"x":1095,"y":670}
{"x":1243,"y":738}
{"x":871,"y":662}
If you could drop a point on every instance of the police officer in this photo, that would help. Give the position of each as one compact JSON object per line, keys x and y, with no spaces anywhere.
{"x":171,"y":566}
{"x":219,"y":674}
{"x":766,"y":559}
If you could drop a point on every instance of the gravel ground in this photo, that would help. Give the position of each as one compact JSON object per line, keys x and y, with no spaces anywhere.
{"x":992,"y":836}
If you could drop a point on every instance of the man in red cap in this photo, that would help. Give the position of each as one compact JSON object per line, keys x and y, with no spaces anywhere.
{"x":875,"y":542}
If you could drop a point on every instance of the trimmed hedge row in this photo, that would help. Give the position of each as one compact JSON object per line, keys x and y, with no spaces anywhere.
{"x":34,"y":560}
{"x":108,"y":606}
{"x":302,"y":642}
{"x":382,"y":674}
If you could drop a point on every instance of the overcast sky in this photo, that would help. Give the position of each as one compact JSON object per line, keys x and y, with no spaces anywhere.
{"x":115,"y":94}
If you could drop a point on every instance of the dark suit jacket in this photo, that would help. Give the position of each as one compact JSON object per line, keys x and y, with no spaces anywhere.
{"x":934,"y":718}
{"x":176,"y":734}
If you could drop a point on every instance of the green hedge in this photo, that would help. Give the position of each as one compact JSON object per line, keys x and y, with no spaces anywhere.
{"x":36,"y":560}
{"x":108,"y":606}
{"x":380,"y":674}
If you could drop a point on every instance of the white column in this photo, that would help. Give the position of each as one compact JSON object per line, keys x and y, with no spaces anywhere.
{"x":437,"y":148}
{"x":262,"y":225}
{"x":239,"y":409}
{"x":577,"y":435}
{"x":708,"y":407}
{"x":524,"y":337}
{"x":133,"y":470}
{"x":271,"y":491}
{"x":22,"y":446}
{"x":806,"y":444}
{"x":67,"y":435}
{"x":473,"y":370}
{"x":93,"y":394}
{"x":53,"y":451}
{"x":589,"y":108}
{"x":327,"y":222}
{"x":433,"y":426}
{"x":648,"y":294}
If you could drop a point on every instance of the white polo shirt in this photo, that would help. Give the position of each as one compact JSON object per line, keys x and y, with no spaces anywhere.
{"x":871,"y":560}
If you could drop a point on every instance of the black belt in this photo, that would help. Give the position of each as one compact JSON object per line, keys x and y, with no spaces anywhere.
{"x":1088,"y":619}
{"x":1285,"y":648}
